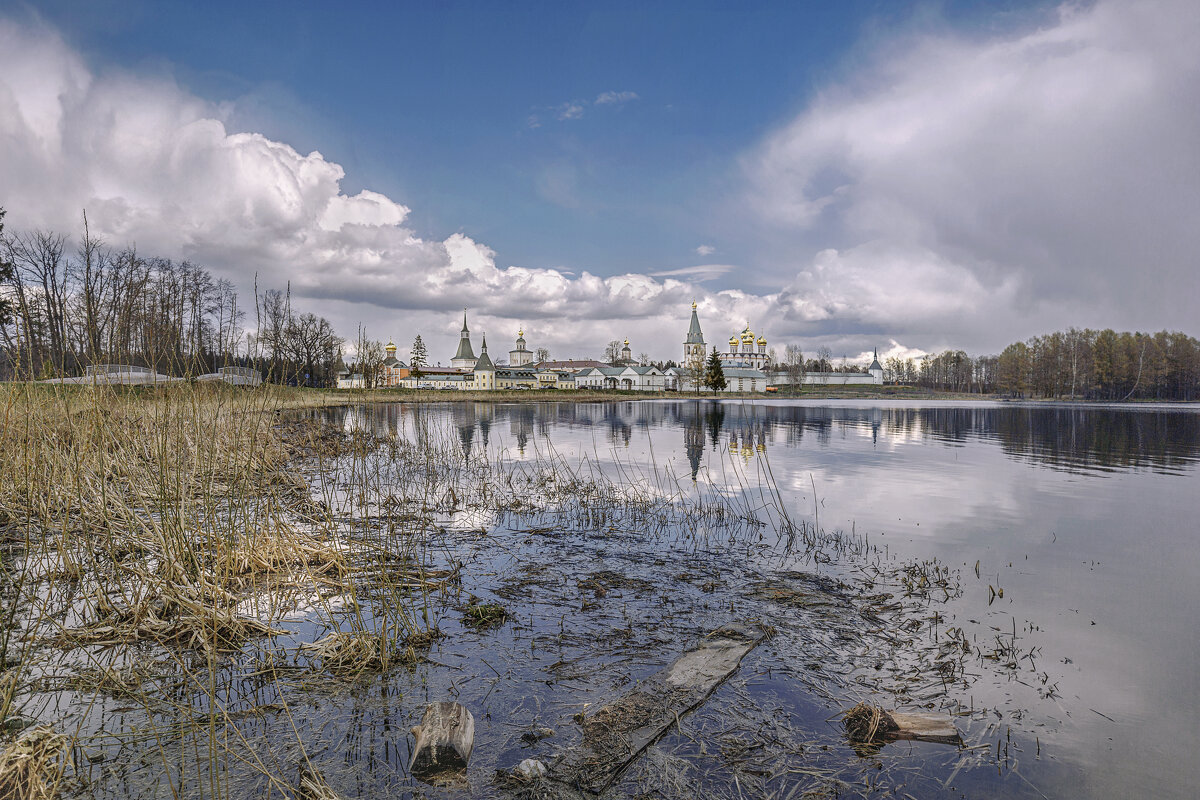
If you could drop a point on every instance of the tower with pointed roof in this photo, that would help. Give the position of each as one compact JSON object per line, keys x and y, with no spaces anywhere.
{"x":465,"y":357}
{"x":484,"y":369}
{"x":693,"y":345}
{"x":876,"y":369}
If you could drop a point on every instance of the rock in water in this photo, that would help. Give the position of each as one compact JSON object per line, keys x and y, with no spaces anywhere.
{"x":444,"y":739}
{"x":529,"y":769}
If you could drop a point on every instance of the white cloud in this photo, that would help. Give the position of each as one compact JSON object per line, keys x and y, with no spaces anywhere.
{"x":893,"y":350}
{"x":705,"y":250}
{"x":700,"y":272}
{"x":156,"y":166}
{"x":615,"y":98}
{"x":979,"y":191}
{"x":1003,"y":187}
{"x":570,"y":111}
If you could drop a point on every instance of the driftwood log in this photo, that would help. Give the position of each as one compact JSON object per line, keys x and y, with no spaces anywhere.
{"x":444,"y":739}
{"x":925,"y":728}
{"x":616,"y":734}
{"x":868,"y":724}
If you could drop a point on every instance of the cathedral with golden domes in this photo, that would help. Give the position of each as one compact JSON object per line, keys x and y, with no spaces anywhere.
{"x":745,"y":350}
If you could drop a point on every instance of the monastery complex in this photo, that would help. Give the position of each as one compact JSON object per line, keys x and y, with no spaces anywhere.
{"x":744,"y":364}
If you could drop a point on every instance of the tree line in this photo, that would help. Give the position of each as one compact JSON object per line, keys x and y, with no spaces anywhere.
{"x":67,"y":304}
{"x":1072,"y":364}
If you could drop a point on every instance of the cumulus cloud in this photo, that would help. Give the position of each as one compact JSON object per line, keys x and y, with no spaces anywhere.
{"x":974,"y":191}
{"x":156,"y":166}
{"x":615,"y":98}
{"x":705,"y":250}
{"x":1014,"y":184}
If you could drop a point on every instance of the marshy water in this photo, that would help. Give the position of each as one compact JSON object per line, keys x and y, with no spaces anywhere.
{"x":1085,"y":517}
{"x":1029,"y":569}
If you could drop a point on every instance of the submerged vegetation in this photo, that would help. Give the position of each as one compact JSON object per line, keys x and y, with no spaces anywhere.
{"x":208,"y":595}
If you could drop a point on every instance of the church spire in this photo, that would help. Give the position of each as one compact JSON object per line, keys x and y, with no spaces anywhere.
{"x":465,"y":357}
{"x":694,"y":334}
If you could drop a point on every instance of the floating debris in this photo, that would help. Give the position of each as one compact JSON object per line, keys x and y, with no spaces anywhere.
{"x":444,"y":739}
{"x":485,"y":615}
{"x":619,"y":732}
{"x":868,"y":724}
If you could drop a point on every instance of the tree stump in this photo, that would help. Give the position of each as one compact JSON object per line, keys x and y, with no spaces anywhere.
{"x":444,"y":739}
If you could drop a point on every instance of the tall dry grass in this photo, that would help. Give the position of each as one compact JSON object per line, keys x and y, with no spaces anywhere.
{"x":167,"y":518}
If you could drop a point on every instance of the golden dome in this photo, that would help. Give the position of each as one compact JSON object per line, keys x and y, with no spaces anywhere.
{"x":390,"y":346}
{"x":762,"y":340}
{"x":693,"y":305}
{"x":521,"y":332}
{"x":748,"y":335}
{"x":733,"y":340}
{"x":627,"y":343}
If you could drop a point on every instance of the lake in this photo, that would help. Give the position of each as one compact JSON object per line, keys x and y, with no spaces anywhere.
{"x":1085,"y":518}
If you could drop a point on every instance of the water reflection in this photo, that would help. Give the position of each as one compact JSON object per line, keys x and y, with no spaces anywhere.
{"x":1072,"y":439}
{"x":1083,"y":515}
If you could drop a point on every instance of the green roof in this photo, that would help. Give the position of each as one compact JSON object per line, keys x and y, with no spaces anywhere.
{"x":464,"y":343}
{"x":484,"y":362}
{"x":695,"y":336}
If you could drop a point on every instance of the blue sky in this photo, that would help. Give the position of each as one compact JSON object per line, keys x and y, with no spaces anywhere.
{"x":455,"y":108}
{"x":643,"y":139}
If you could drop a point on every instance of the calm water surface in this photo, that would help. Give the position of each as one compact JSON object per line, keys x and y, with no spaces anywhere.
{"x":1085,"y":517}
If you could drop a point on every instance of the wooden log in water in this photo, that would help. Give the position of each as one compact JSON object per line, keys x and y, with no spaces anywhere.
{"x":444,"y":739}
{"x":870,"y":725}
{"x":618,"y":733}
{"x":924,"y":728}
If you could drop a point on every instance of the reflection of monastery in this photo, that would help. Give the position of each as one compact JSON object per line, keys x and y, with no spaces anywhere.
{"x":744,"y":365}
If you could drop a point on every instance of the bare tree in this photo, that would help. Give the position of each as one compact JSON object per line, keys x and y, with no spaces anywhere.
{"x":824,"y":359}
{"x":793,"y":359}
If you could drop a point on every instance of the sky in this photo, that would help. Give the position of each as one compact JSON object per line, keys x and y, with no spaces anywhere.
{"x":855,"y":175}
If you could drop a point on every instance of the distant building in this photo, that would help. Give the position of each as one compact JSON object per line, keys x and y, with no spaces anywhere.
{"x":393,"y":370}
{"x":742,"y":351}
{"x":629,"y":378}
{"x":520,"y":355}
{"x":742,"y":364}
{"x":574,"y":365}
{"x":465,"y":357}
{"x":626,"y":359}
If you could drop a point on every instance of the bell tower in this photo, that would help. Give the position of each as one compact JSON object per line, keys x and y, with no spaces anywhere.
{"x":693,"y":345}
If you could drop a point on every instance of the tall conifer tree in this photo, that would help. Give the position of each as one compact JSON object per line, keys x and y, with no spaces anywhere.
{"x":714,"y":373}
{"x":417,"y":358}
